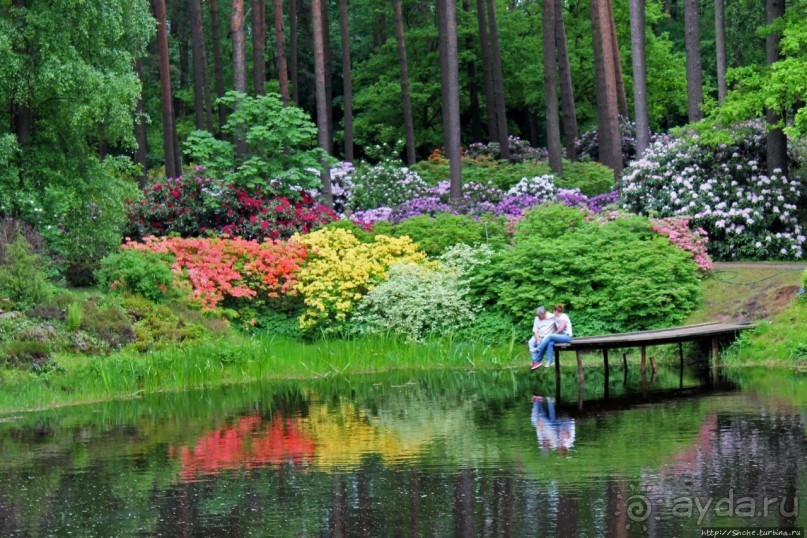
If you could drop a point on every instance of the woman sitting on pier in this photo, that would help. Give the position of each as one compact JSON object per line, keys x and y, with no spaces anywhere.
{"x":562,"y":335}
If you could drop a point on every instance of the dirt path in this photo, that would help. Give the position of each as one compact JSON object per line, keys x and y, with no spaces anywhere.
{"x":796,"y":266}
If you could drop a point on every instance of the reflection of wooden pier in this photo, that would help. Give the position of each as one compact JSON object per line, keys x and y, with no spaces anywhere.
{"x":642,"y":339}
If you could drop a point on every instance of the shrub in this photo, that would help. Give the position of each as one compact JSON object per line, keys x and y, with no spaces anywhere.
{"x":722,"y":187}
{"x":192,"y":206}
{"x":416,"y":302}
{"x":681,"y":235}
{"x":340,"y":270}
{"x":283,"y":156}
{"x":22,"y":278}
{"x":384,"y":184}
{"x":140,"y":272}
{"x":489,"y":328}
{"x":588,"y":145}
{"x":230,"y":270}
{"x":27,"y":353}
{"x":109,"y":323}
{"x":342,"y":185}
{"x":615,"y":276}
{"x":436,"y":234}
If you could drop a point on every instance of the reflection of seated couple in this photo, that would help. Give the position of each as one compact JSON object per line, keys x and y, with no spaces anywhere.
{"x":553,"y":432}
{"x":548,"y":330}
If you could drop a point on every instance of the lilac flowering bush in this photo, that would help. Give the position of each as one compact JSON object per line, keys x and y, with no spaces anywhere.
{"x":725,"y":189}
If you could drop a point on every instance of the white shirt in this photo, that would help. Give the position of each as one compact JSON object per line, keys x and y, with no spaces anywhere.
{"x":563,"y":317}
{"x":544,"y":327}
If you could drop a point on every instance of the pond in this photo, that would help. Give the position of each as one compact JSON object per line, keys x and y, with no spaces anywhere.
{"x":416,"y":454}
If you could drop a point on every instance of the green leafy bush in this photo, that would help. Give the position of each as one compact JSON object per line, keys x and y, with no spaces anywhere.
{"x":436,"y":234}
{"x":489,"y":328}
{"x":613,"y":277}
{"x":109,"y":323}
{"x":416,"y":302}
{"x":22,"y":276}
{"x":134,"y":271}
{"x":27,"y":353}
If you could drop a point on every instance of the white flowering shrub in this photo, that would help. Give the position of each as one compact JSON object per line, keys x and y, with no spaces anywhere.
{"x":385,"y":184}
{"x":541,"y":187}
{"x":725,"y":189}
{"x":342,"y":185}
{"x":416,"y":302}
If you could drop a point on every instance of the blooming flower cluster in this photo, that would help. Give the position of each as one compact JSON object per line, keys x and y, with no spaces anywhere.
{"x":342,"y":185}
{"x":193,"y":205}
{"x":746,"y":212}
{"x":216,"y":270}
{"x":685,"y":238}
{"x":520,"y":150}
{"x":341,"y":270}
{"x":385,"y":183}
{"x":588,"y":145}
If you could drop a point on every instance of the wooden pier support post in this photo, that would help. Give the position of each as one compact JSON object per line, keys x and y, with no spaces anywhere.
{"x":644,"y":360}
{"x":653,"y":365}
{"x":579,"y":366}
{"x":681,"y":368}
{"x":715,"y":362}
{"x":625,"y":369}
{"x":557,"y":376}
{"x":607,"y":373}
{"x":580,"y":392}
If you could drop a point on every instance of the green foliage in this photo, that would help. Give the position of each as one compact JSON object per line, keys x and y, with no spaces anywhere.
{"x":416,"y":302}
{"x":489,"y":328}
{"x":281,"y":140}
{"x":614,"y":277}
{"x":355,"y":229}
{"x":386,"y":184}
{"x":22,"y":276}
{"x":139,"y":272}
{"x":26,"y":353}
{"x":436,"y":234}
{"x":108,"y":322}
{"x":75,"y":315}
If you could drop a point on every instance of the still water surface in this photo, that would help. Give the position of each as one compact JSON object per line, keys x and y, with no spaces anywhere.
{"x":414,"y":454}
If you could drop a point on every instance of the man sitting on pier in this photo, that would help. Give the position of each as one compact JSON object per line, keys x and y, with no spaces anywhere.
{"x":543,"y":326}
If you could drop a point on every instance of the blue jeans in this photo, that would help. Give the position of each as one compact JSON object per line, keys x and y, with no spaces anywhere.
{"x":547,"y":347}
{"x":532,"y":345}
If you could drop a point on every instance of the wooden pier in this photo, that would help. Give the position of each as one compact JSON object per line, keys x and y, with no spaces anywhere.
{"x":642,"y":339}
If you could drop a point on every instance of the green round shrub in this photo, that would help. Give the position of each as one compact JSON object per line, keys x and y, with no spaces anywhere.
{"x":616,"y":276}
{"x":143,"y":273}
{"x":436,"y":234}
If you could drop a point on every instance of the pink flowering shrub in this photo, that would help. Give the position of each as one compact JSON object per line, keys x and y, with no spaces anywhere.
{"x":215,"y":270}
{"x":194,"y":205}
{"x":692,"y":241}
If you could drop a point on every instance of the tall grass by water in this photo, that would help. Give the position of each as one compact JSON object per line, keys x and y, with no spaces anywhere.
{"x":238,"y":359}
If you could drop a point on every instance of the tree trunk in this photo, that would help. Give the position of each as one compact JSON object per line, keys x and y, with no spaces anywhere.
{"x":258,"y":41}
{"x":566,"y":89}
{"x":141,"y":153}
{"x":607,"y":111}
{"x":326,"y":40}
{"x":280,"y":38}
{"x":181,"y":38}
{"x":551,"y":86}
{"x":239,"y":56}
{"x":409,"y":125}
{"x":777,"y":142}
{"x":720,"y":50}
{"x":293,"y":70}
{"x":322,"y":101}
{"x":215,"y":36}
{"x":637,"y":42}
{"x":490,"y":99}
{"x":239,"y":64}
{"x":347,"y":80}
{"x":622,"y":99}
{"x":447,"y":28}
{"x":692,"y":35}
{"x":172,"y":167}
{"x":198,"y":47}
{"x":498,"y":82}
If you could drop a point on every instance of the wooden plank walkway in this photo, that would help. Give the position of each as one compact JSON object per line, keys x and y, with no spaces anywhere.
{"x":643,"y":339}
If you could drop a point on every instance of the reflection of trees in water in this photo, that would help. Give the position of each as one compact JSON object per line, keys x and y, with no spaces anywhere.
{"x":737,"y":456}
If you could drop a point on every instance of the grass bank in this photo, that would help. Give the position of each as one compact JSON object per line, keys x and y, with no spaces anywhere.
{"x":237,"y":359}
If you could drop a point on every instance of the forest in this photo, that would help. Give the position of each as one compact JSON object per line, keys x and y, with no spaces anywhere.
{"x":177,"y":171}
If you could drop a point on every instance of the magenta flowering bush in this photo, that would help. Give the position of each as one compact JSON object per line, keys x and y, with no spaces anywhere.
{"x":681,"y":235}
{"x":726,"y":191}
{"x":194,"y":205}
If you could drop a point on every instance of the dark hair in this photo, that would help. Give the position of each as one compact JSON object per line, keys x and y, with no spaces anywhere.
{"x":558,"y":308}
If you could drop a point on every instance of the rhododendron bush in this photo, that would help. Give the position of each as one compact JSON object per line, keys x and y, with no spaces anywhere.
{"x":341,"y":270}
{"x":226,"y":270}
{"x":725,"y":189}
{"x":194,"y":205}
